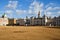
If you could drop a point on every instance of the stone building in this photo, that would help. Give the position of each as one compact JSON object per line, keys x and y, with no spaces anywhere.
{"x":56,"y":21}
{"x":3,"y":20}
{"x":20,"y":22}
{"x":37,"y":20}
{"x":11,"y":21}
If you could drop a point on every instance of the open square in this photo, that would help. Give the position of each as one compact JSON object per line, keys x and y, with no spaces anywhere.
{"x":29,"y":33}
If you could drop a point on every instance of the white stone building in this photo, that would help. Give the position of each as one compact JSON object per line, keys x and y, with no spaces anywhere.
{"x":20,"y":22}
{"x":3,"y":20}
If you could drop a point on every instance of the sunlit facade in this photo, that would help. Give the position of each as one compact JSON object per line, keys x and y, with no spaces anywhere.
{"x":3,"y":20}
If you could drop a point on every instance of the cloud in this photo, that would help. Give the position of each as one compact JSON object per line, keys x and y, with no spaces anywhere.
{"x":49,"y":13}
{"x":49,"y":5}
{"x":8,"y":11}
{"x":56,"y":8}
{"x":51,"y":9}
{"x":12,"y":4}
{"x":58,"y":12}
{"x":20,"y":11}
{"x":35,"y":7}
{"x":30,"y":11}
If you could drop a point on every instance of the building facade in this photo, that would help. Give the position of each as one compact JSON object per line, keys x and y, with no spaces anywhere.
{"x":3,"y":20}
{"x":40,"y":21}
{"x":32,"y":21}
{"x":56,"y":21}
{"x":20,"y":22}
{"x":11,"y":21}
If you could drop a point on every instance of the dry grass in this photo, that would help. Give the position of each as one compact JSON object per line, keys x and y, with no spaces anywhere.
{"x":29,"y":33}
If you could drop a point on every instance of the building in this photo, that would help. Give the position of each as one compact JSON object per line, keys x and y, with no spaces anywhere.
{"x":3,"y":20}
{"x":32,"y":21}
{"x":56,"y":21}
{"x":20,"y":22}
{"x":11,"y":21}
{"x":36,"y":20}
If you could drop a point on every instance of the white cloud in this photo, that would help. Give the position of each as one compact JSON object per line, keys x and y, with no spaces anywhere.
{"x":49,"y":13}
{"x":41,"y":5}
{"x":51,"y":9}
{"x":25,"y":11}
{"x":20,"y":11}
{"x":33,"y":3}
{"x":56,"y":8}
{"x":8,"y":11}
{"x":12,"y":4}
{"x":58,"y":12}
{"x":30,"y":11}
{"x":49,"y":5}
{"x":30,"y":7}
{"x":35,"y":7}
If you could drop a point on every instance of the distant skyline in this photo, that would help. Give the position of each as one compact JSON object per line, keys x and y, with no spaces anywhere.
{"x":23,"y":8}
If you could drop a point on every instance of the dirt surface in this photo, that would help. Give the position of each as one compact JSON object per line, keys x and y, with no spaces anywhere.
{"x":29,"y":33}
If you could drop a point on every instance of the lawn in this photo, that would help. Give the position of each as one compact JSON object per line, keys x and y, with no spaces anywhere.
{"x":29,"y":33}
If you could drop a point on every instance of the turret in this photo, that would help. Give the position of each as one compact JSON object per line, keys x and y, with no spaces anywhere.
{"x":45,"y":18}
{"x":4,"y":15}
{"x":39,"y":14}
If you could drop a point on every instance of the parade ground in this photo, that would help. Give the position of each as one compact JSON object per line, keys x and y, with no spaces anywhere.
{"x":29,"y":33}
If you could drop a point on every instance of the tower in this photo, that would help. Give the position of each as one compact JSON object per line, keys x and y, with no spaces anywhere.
{"x":45,"y":19}
{"x":26,"y":17}
{"x":39,"y":14}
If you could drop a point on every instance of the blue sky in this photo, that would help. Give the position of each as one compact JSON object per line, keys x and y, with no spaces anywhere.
{"x":23,"y":8}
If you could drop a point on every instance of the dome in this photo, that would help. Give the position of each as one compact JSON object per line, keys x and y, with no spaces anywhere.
{"x":4,"y":15}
